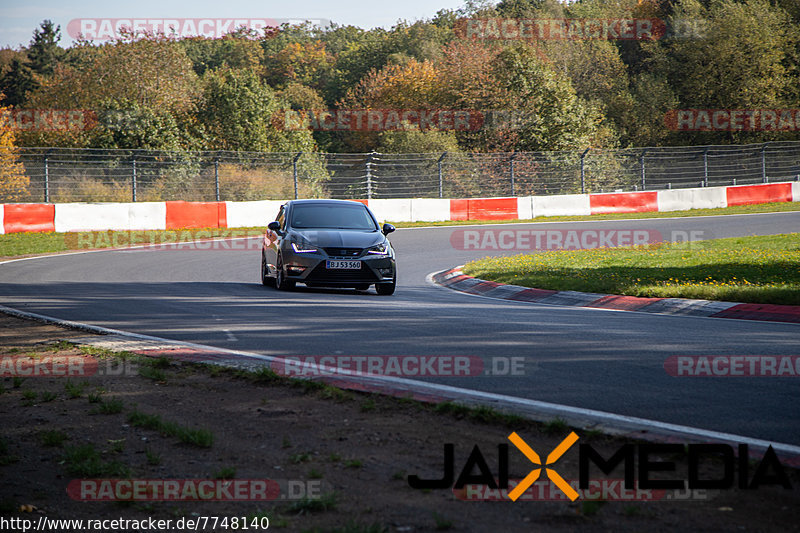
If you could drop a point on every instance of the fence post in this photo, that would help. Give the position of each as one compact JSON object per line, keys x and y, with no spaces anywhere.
{"x":513,"y":157}
{"x":583,"y":173}
{"x":294,"y":172}
{"x":441,"y":181}
{"x":133,"y":178}
{"x":641,"y":164}
{"x":705,"y":167}
{"x":46,"y":177}
{"x":369,"y":175}
{"x":216,"y":177}
{"x":764,"y":163}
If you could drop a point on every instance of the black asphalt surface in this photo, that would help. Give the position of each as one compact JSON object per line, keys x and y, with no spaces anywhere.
{"x":605,"y":360}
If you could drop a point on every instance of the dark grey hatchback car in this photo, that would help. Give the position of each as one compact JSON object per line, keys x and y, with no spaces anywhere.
{"x":328,"y":243}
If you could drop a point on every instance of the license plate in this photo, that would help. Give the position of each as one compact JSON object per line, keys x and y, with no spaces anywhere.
{"x":334,"y":264}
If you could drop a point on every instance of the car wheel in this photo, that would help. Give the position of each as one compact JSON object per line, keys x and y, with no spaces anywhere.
{"x":386,"y":289}
{"x":281,"y":282}
{"x":266,"y":279}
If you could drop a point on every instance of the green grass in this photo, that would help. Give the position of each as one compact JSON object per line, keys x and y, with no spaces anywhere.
{"x":227,"y":472}
{"x":763,"y":269}
{"x":326,"y":502}
{"x":19,"y":244}
{"x":5,"y":457}
{"x":53,"y":437}
{"x":108,"y":407}
{"x":74,"y":390}
{"x":201,"y":438}
{"x":85,"y":461}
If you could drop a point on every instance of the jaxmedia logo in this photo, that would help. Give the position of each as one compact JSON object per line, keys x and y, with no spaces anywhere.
{"x":399,"y":366}
{"x":725,"y":467}
{"x":733,"y":366}
{"x":48,"y":120}
{"x":102,"y":29}
{"x":787,"y":120}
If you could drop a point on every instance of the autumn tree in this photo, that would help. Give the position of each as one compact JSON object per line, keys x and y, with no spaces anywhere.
{"x":237,"y":113}
{"x":13,"y":181}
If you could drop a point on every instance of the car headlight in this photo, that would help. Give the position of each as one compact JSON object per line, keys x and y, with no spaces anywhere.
{"x":379,"y":249}
{"x":303,"y":248}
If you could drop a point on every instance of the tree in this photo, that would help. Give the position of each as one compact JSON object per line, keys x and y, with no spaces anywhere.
{"x":13,"y":181}
{"x":44,"y":51}
{"x":745,"y":60}
{"x":150,"y":77}
{"x":237,"y":112}
{"x":17,"y":83}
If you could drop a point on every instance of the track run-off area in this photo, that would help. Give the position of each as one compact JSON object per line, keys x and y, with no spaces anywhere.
{"x":604,"y":360}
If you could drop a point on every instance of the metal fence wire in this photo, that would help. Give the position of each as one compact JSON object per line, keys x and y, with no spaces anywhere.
{"x":93,"y":175}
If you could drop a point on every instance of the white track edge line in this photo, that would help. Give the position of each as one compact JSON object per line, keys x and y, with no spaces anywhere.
{"x":597,"y":416}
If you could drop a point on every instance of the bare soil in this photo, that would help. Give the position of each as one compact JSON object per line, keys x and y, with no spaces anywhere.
{"x":351,"y":452}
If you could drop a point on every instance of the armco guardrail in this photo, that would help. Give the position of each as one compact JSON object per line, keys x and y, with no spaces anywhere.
{"x":170,"y":215}
{"x":62,"y":175}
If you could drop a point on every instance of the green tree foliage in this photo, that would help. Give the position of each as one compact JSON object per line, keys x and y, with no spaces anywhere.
{"x":44,"y":51}
{"x":238,"y":112}
{"x":224,"y":93}
{"x":744,"y":58}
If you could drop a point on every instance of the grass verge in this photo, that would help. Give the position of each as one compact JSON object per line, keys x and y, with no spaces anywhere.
{"x":764,"y":269}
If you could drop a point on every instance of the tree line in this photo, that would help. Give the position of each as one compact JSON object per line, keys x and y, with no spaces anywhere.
{"x":158,"y":92}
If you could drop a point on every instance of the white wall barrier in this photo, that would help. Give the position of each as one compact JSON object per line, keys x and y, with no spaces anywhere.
{"x":564,"y":205}
{"x":110,"y":216}
{"x":429,"y":209}
{"x":251,"y":214}
{"x":397,"y":210}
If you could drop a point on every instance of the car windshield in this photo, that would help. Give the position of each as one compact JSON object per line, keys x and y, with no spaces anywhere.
{"x":332,"y":217}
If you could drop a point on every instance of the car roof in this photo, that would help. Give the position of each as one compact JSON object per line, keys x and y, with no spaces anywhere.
{"x":324,"y":202}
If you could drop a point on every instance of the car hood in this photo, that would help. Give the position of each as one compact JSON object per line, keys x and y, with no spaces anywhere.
{"x":341,"y":238}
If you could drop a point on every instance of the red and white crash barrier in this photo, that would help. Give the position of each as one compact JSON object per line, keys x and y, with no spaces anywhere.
{"x":72,"y":217}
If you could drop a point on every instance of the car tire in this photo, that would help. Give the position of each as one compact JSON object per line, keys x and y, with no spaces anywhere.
{"x":281,"y":282}
{"x":266,"y":279}
{"x":386,"y":289}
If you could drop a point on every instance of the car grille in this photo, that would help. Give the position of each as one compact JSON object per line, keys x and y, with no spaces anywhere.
{"x":344,"y":252}
{"x":320,"y":274}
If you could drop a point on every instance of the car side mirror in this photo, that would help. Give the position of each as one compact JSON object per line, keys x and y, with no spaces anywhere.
{"x":275,"y":226}
{"x":387,"y":229}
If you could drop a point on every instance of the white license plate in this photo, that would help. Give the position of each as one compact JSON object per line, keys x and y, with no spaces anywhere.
{"x":342,"y":265}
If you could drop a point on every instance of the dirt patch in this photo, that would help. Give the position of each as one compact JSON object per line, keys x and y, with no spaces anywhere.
{"x":349,"y":453}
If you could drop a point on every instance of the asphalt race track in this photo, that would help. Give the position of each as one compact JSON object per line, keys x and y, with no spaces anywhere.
{"x":605,"y":360}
